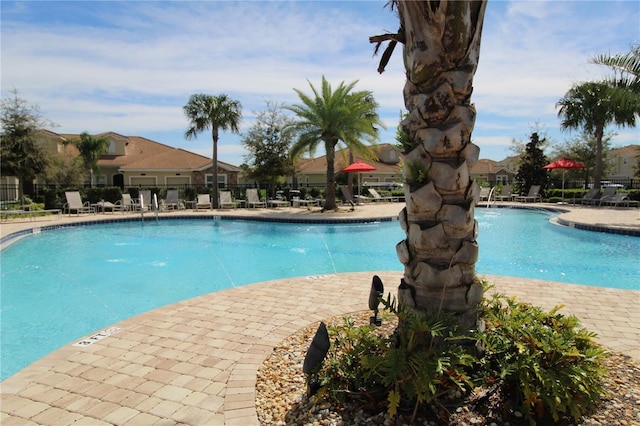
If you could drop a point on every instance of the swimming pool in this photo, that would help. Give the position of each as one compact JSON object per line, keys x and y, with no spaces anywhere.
{"x":59,"y":286}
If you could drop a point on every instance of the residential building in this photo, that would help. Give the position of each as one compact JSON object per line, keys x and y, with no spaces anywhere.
{"x":387,"y":161}
{"x":488,"y":173}
{"x":623,"y":162}
{"x":138,"y":161}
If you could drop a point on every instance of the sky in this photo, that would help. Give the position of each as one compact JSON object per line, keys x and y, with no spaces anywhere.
{"x":130,"y":66}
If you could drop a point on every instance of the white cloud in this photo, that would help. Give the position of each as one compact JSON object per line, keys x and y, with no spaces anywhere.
{"x":129,"y":67}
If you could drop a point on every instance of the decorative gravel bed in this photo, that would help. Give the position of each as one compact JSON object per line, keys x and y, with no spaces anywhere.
{"x":281,"y":394}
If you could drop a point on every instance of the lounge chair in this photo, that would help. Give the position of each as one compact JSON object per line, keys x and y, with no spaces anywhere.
{"x":171,"y":201}
{"x":504,"y":195}
{"x":75,"y":203}
{"x":227,"y":201}
{"x":608,"y":194}
{"x":278,"y":203}
{"x":484,"y":194}
{"x":378,"y":197}
{"x":347,"y":196}
{"x":203,"y":202}
{"x":591,"y":198}
{"x":618,"y":199}
{"x":533,"y":195}
{"x":144,"y":197}
{"x":253,"y":199}
{"x":126,"y":204}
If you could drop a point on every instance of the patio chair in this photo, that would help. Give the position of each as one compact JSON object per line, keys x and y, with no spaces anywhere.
{"x":484,"y":194}
{"x":619,"y":199}
{"x":203,"y":202}
{"x":591,"y":198}
{"x":75,"y":203}
{"x":171,"y":201}
{"x":253,"y":199}
{"x":145,"y":196}
{"x":533,"y":195}
{"x":227,"y":201}
{"x":504,"y":195}
{"x":125,"y":204}
{"x":378,"y":197}
{"x":608,"y":194}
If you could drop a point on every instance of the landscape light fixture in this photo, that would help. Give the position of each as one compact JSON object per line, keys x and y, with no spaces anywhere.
{"x":315,"y":356}
{"x":377,"y":291}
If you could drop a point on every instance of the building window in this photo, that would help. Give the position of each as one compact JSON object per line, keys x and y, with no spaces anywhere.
{"x":222,"y":180}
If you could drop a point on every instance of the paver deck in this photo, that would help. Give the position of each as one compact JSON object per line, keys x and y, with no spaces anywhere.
{"x":195,"y":362}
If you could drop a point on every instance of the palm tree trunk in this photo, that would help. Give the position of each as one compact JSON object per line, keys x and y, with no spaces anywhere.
{"x":330,"y":193}
{"x":214,"y":195}
{"x":597,"y":171}
{"x":441,"y":54}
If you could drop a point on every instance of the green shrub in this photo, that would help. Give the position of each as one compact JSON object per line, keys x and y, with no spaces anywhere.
{"x":410,"y":367}
{"x":542,"y":363}
{"x":544,"y":360}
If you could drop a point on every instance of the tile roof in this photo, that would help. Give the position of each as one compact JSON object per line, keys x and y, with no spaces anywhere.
{"x":143,"y":153}
{"x":319,"y":164}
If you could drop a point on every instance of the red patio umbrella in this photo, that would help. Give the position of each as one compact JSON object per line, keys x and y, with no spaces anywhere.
{"x":564,"y":164}
{"x":357,"y":167}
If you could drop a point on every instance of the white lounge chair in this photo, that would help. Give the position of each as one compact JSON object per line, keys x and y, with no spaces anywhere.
{"x":203,"y":201}
{"x":144,"y":197}
{"x":172,"y":202}
{"x":226,"y":201}
{"x":75,"y":203}
{"x":126,"y":204}
{"x":253,"y":199}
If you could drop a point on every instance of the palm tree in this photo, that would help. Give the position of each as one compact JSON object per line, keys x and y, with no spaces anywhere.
{"x":626,"y":77}
{"x":332,"y":117}
{"x":592,"y":106}
{"x":441,"y":51}
{"x":91,"y":148}
{"x":216,"y":113}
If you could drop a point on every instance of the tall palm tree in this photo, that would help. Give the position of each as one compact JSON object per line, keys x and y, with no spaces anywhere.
{"x":332,"y":117}
{"x":592,"y":106}
{"x":91,"y":148}
{"x":626,"y":78}
{"x":216,"y":113}
{"x":441,"y":51}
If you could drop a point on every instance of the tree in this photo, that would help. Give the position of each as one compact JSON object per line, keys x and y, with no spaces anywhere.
{"x":21,"y":155}
{"x":91,"y":148}
{"x":441,"y":51}
{"x":582,"y":148}
{"x":65,"y":171}
{"x":215,"y":113}
{"x":268,"y":142}
{"x":592,"y":106}
{"x":530,"y":171}
{"x":626,"y":78}
{"x":518,"y":147}
{"x":332,"y":117}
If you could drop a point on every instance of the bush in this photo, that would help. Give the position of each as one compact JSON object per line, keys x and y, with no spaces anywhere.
{"x":541,"y":363}
{"x":548,"y":364}
{"x":409,"y":367}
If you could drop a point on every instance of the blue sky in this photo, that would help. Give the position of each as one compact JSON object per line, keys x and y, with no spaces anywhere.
{"x":130,"y":67}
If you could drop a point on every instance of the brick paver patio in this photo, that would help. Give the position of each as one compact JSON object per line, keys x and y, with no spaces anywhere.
{"x":195,"y":362}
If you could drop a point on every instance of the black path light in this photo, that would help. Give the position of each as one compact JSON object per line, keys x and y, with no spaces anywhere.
{"x":377,"y":291}
{"x":315,"y":356}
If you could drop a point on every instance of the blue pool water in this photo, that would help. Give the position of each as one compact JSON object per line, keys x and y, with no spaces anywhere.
{"x":62,"y":285}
